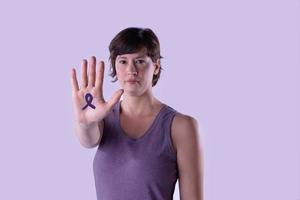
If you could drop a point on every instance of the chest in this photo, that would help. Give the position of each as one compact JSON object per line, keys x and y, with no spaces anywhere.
{"x":136,"y":127}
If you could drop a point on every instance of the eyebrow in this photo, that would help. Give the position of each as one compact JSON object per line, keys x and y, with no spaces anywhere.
{"x":136,"y":57}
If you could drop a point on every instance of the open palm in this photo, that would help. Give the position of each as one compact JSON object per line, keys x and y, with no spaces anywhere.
{"x":91,"y":108}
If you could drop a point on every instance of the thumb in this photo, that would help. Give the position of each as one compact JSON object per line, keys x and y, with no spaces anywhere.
{"x":115,"y":98}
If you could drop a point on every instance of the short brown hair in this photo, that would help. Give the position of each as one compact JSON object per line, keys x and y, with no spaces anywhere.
{"x":132,"y":40}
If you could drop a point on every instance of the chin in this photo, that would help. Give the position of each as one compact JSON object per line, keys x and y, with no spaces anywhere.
{"x":132,"y":92}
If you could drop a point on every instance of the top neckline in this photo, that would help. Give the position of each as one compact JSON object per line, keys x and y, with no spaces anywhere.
{"x":124,"y":134}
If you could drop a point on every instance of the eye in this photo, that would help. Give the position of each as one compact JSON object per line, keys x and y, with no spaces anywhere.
{"x":140,"y":61}
{"x":122,"y":61}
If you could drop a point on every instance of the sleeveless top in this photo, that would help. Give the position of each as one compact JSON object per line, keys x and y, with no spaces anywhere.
{"x":136,"y":169}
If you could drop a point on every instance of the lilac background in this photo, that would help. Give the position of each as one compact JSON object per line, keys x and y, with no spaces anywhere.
{"x":233,"y":65}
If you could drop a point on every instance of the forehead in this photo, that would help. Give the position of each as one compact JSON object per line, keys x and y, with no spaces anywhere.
{"x":140,"y":54}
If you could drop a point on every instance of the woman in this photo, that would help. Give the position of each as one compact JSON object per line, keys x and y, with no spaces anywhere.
{"x":144,"y":145}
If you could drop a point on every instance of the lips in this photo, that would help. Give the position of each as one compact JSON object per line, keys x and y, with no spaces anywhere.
{"x":132,"y":80}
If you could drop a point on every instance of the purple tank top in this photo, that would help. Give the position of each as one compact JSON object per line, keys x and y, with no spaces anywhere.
{"x":136,"y":169}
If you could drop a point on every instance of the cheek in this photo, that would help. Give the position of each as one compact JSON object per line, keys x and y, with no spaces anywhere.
{"x":150,"y":73}
{"x":119,"y":73}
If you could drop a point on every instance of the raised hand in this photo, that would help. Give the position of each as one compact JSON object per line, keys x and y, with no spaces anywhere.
{"x":88,"y":100}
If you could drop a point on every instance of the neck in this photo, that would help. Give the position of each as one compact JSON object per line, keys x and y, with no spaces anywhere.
{"x":139,"y":106}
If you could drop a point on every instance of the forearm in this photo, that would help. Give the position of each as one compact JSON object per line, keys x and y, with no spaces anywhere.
{"x":89,"y":136}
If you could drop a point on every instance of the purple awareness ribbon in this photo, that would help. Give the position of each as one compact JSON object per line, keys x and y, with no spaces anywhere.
{"x":89,"y":99}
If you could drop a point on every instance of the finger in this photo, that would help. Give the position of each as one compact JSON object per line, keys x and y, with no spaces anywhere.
{"x":84,"y":73}
{"x":92,"y":66}
{"x":100,"y":76}
{"x":74,"y":82}
{"x":115,"y":98}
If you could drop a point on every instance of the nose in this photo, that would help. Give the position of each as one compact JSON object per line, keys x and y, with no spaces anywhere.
{"x":132,"y":73}
{"x":131,"y":69}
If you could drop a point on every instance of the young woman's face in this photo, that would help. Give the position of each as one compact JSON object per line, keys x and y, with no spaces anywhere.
{"x":135,"y":72}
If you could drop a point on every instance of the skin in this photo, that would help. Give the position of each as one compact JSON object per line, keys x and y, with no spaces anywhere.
{"x":138,"y":99}
{"x":91,"y":82}
{"x":89,"y":122}
{"x":139,"y":107}
{"x":188,"y":145}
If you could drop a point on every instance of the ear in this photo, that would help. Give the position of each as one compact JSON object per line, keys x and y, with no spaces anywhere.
{"x":157,"y":66}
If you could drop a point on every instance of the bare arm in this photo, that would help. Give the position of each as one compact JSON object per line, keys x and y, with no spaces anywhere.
{"x":89,"y":136}
{"x":189,"y":157}
{"x":90,"y":108}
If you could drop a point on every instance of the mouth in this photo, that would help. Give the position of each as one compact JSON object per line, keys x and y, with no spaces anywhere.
{"x":132,"y":82}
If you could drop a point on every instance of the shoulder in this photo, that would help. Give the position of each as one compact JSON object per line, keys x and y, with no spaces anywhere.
{"x":184,"y":130}
{"x":188,"y":144}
